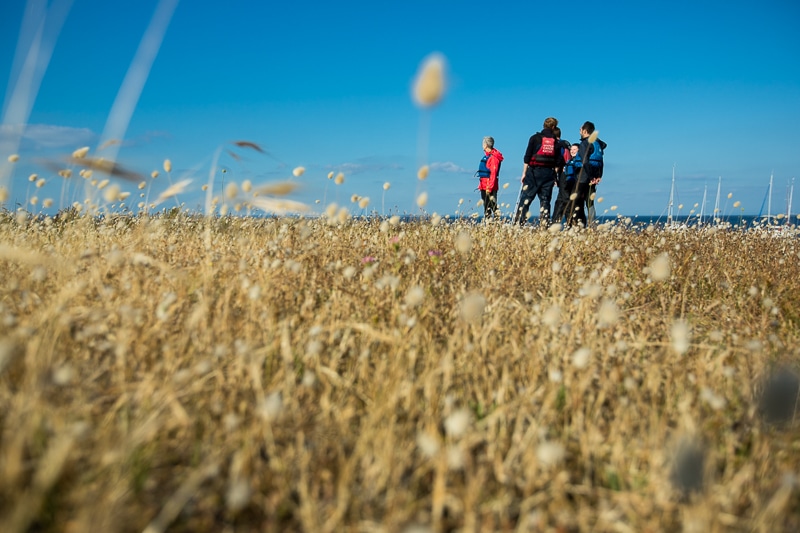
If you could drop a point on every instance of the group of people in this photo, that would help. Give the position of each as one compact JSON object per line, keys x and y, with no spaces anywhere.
{"x":549,"y":162}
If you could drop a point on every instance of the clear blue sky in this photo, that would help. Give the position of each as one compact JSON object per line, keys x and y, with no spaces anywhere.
{"x":711,"y":87}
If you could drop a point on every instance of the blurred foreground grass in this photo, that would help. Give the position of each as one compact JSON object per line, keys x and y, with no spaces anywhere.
{"x":158,"y":373}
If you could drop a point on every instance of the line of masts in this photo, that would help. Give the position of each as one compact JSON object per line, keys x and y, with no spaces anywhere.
{"x":717,"y":209}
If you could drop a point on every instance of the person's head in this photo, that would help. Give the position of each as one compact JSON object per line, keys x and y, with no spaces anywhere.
{"x":488,"y":143}
{"x":573,"y":150}
{"x":587,"y":129}
{"x":557,"y":132}
{"x":550,"y":122}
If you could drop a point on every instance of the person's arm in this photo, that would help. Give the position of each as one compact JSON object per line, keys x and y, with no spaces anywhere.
{"x":528,"y":156}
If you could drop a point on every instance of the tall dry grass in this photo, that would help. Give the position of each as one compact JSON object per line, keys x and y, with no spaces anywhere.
{"x":367,"y":375}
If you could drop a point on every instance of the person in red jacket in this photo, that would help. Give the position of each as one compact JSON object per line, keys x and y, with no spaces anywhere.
{"x":488,"y":174}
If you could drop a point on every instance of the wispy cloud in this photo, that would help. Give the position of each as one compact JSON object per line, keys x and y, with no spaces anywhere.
{"x":365,"y":166}
{"x":449,"y":167}
{"x":44,"y":136}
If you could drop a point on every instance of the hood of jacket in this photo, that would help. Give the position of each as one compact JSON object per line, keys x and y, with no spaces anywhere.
{"x":496,"y":153}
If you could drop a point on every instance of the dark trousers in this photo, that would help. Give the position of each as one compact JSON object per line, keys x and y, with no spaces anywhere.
{"x":590,"y":211}
{"x":489,"y":203}
{"x":538,"y":182}
{"x":575,"y":209}
{"x":562,"y":199}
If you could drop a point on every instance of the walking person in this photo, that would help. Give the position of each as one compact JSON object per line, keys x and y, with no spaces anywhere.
{"x":488,"y":175}
{"x":574,"y":209}
{"x":594,"y":164}
{"x":542,"y":157}
{"x":590,"y":154}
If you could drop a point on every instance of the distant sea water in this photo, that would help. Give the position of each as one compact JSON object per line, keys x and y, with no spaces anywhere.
{"x":739,"y":222}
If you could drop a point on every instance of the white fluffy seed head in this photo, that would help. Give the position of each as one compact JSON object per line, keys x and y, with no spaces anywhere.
{"x":422,"y":199}
{"x":457,"y":423}
{"x":231,"y":190}
{"x":472,"y":306}
{"x":660,"y":268}
{"x":427,"y":444}
{"x":580,"y":359}
{"x":680,"y":337}
{"x":429,"y":85}
{"x":552,"y":317}
{"x":414,"y":296}
{"x":463,"y":242}
{"x":608,"y":314}
{"x":550,"y":453}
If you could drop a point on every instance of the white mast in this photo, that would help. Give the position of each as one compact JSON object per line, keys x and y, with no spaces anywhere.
{"x":703,"y":205}
{"x":671,"y":197}
{"x":716,"y":204}
{"x":769,"y":199}
{"x":789,"y":203}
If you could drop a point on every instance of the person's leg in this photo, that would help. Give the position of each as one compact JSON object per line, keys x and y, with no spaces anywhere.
{"x":562,"y":199}
{"x":545,"y":177}
{"x":582,"y":191}
{"x":590,"y":196}
{"x":491,"y":204}
{"x":526,"y":196}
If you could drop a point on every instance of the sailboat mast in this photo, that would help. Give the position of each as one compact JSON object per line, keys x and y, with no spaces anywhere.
{"x":716,"y":204}
{"x":671,"y":197}
{"x":703,"y":205}
{"x":789,"y":203}
{"x":769,"y":199}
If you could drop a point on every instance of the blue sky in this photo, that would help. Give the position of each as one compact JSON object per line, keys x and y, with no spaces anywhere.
{"x":710,"y":87}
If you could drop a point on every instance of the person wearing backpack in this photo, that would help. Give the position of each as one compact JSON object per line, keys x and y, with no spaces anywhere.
{"x":562,"y":199}
{"x":542,"y":158}
{"x":488,"y":176}
{"x":571,"y":170}
{"x":592,"y":151}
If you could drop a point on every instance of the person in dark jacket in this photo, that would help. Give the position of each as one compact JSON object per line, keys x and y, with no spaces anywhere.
{"x":488,"y":174}
{"x":562,"y":199}
{"x":589,"y":174}
{"x":542,"y":158}
{"x":594,"y":172}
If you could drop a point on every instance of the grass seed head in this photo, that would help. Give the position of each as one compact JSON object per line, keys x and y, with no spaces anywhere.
{"x":463,"y":242}
{"x":550,"y":453}
{"x":429,"y":85}
{"x":472,"y":306}
{"x":457,"y":423}
{"x":414,"y":296}
{"x":660,"y":268}
{"x":680,"y":337}
{"x":80,"y":153}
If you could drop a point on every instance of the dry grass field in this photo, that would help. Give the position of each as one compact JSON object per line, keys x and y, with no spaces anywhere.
{"x":171,"y":373}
